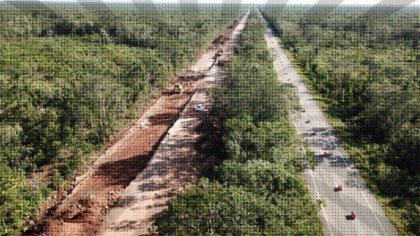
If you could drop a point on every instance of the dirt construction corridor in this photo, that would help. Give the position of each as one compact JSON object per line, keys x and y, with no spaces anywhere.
{"x":131,"y":182}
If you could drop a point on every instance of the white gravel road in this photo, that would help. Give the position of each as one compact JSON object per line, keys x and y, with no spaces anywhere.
{"x":173,"y":166}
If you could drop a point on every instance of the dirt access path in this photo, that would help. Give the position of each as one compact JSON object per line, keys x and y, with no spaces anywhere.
{"x":334,"y":166}
{"x":80,"y":210}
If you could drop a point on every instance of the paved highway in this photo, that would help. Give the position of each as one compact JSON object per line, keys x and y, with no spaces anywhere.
{"x":334,"y":165}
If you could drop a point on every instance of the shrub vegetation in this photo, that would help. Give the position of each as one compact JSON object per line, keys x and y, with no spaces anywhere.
{"x":257,"y":189}
{"x":71,"y":75}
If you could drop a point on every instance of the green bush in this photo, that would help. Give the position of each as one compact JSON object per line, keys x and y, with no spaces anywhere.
{"x":17,"y":201}
{"x":262,"y":177}
{"x":211,"y":209}
{"x":246,"y":140}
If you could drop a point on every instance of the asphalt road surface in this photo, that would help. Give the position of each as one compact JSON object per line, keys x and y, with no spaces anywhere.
{"x":334,"y":165}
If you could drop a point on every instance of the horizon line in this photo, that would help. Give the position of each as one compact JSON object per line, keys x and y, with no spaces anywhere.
{"x":414,"y":4}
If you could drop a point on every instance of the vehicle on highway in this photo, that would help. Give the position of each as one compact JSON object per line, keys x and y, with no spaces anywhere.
{"x":352,"y":216}
{"x":199,"y":107}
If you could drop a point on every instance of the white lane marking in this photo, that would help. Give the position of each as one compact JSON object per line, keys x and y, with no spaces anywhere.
{"x":358,"y":227}
{"x":322,"y":207}
{"x":361,"y":191}
{"x":377,"y":220}
{"x":347,"y":166}
{"x":310,"y":171}
{"x":287,"y":62}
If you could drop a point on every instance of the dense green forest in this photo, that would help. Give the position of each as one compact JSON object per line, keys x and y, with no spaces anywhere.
{"x":364,"y":64}
{"x":257,"y":189}
{"x":70,"y":76}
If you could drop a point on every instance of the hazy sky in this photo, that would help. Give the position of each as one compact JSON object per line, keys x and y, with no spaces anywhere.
{"x":307,"y":2}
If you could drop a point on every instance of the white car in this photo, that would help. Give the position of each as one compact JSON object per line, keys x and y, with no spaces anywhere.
{"x":199,"y":107}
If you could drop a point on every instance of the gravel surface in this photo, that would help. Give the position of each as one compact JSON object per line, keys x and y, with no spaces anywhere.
{"x":175,"y":163}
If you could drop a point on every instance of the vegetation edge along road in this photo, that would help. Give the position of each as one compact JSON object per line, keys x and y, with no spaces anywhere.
{"x":369,"y":97}
{"x":333,"y":166}
{"x":257,"y":188}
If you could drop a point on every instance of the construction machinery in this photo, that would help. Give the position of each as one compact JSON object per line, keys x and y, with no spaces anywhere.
{"x":178,"y":88}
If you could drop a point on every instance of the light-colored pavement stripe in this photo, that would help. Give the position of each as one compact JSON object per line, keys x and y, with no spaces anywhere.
{"x":322,"y":207}
{"x":377,"y":220}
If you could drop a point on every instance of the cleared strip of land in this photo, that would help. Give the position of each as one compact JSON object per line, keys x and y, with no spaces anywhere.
{"x":81,"y":210}
{"x":173,"y":166}
{"x":333,"y":167}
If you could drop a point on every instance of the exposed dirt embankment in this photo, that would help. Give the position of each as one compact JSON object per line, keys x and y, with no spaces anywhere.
{"x":175,"y":164}
{"x":80,"y":209}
